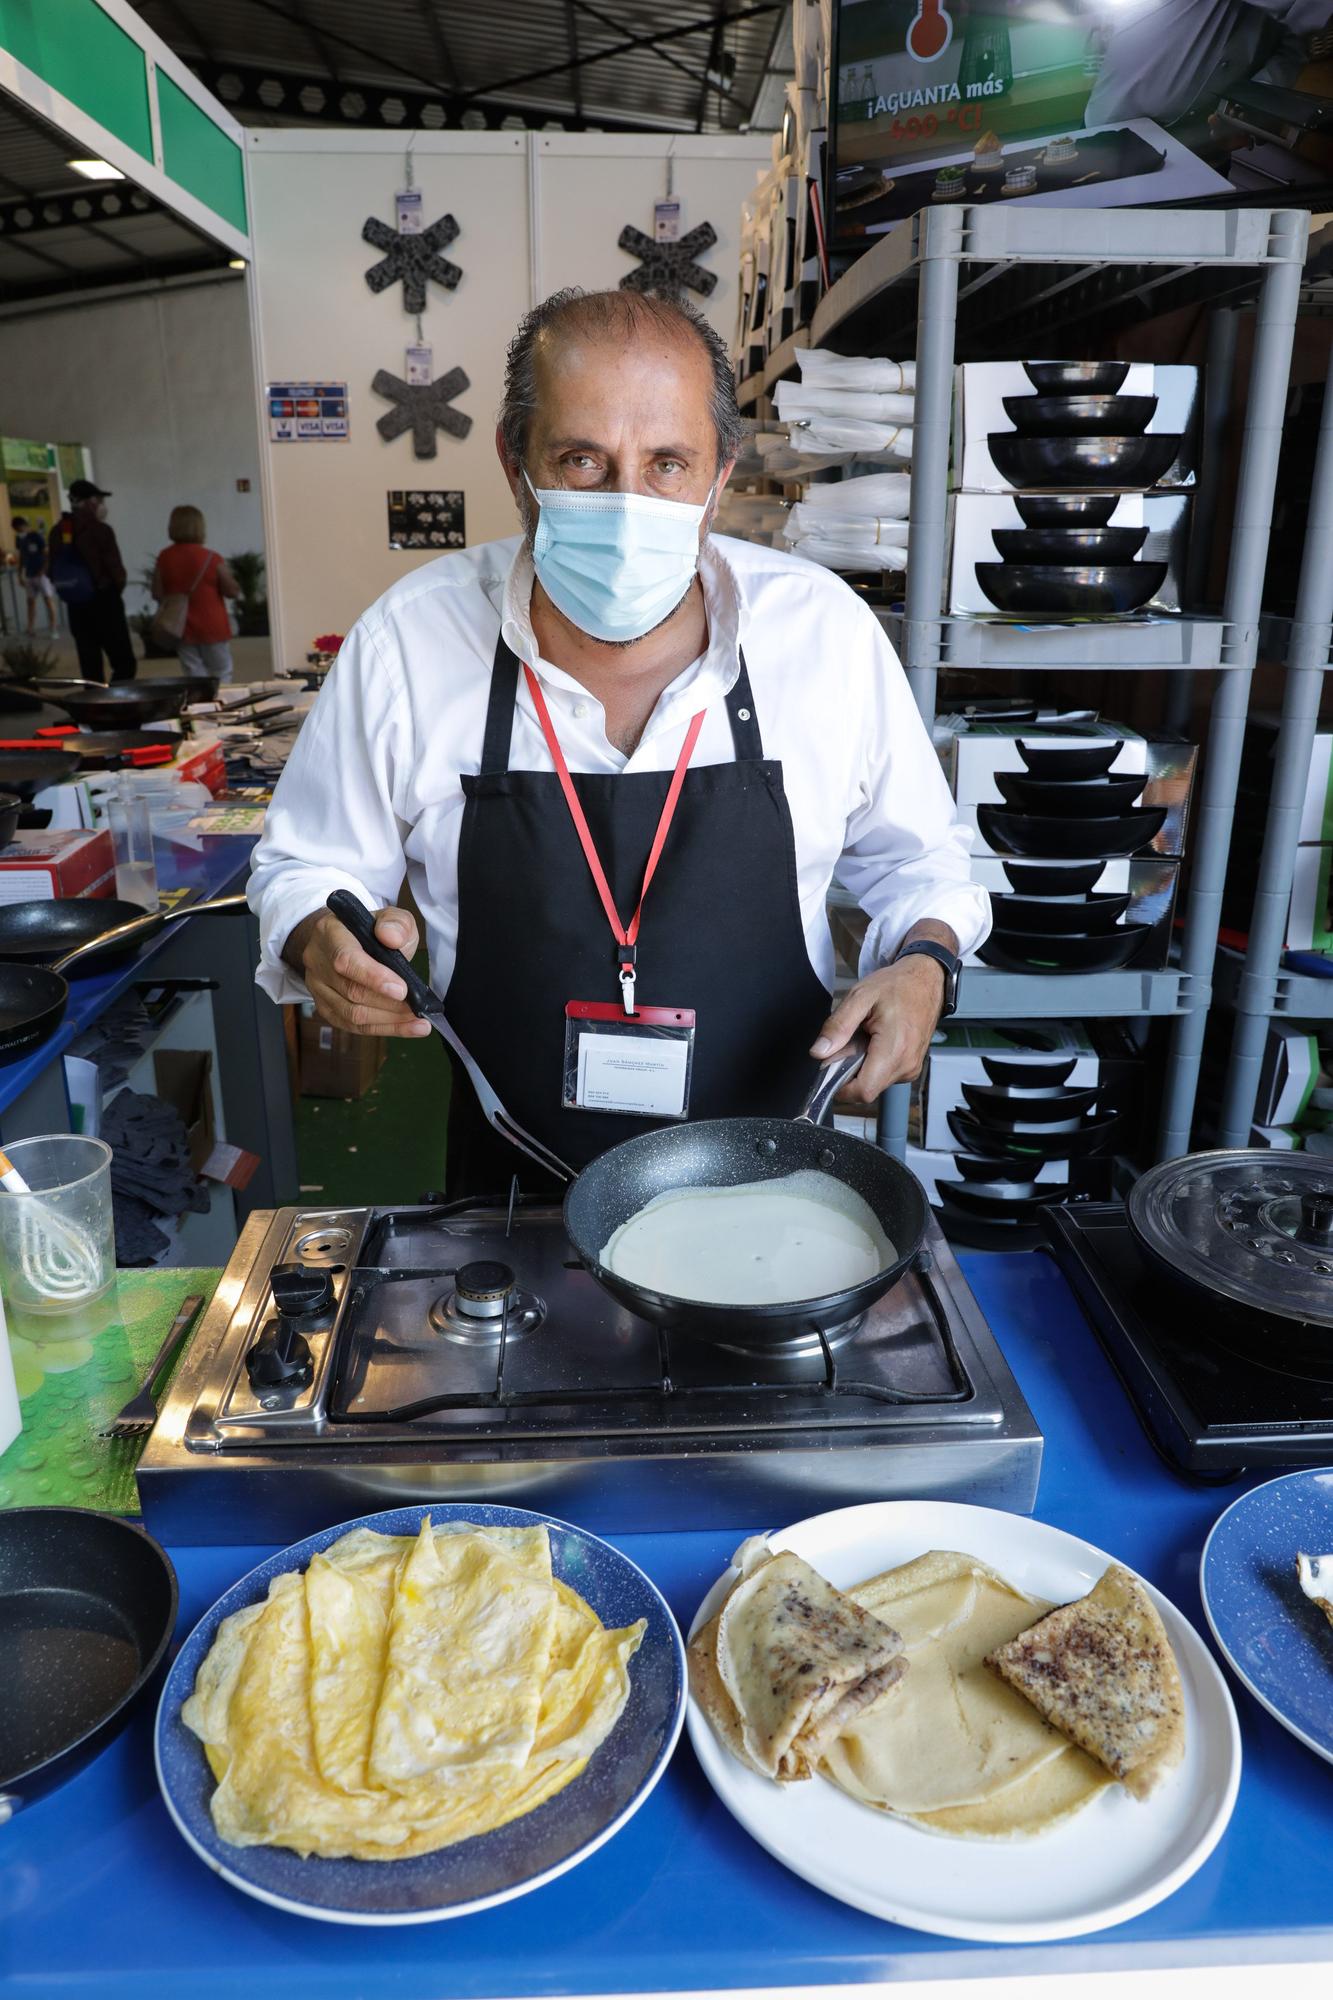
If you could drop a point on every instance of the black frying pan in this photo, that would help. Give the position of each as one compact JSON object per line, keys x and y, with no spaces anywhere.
{"x":714,"y":1152}
{"x":25,"y":772}
{"x":82,"y":934}
{"x":122,"y":705}
{"x":87,"y":1610}
{"x":32,"y":1006}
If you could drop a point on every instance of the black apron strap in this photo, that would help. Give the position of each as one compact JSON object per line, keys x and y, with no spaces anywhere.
{"x":499,"y":711}
{"x":745,"y":736}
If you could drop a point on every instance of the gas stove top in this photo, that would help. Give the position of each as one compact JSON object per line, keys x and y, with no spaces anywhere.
{"x":354,"y":1358}
{"x":1218,"y":1390}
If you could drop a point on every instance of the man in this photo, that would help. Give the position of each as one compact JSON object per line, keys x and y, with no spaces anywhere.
{"x":739,"y":729}
{"x":31,"y":545}
{"x":87,"y":571}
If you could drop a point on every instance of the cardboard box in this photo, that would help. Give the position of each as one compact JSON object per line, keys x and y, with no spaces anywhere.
{"x":1151,"y":882}
{"x":1293,"y":1071}
{"x":980,"y":388}
{"x":334,"y":1062}
{"x":38,"y":866}
{"x":972,"y":754}
{"x":975,"y":516}
{"x":183,"y":1078}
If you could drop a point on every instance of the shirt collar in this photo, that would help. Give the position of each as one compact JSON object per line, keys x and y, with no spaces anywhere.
{"x":705,"y":680}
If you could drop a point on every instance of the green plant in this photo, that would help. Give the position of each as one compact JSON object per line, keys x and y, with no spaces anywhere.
{"x":252,"y":606}
{"x":26,"y":661}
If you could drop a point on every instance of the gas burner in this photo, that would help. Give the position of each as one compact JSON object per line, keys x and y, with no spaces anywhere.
{"x":797,"y":1347}
{"x":484,"y":1304}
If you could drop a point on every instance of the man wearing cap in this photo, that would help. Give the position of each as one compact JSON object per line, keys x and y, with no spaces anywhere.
{"x":88,"y":573}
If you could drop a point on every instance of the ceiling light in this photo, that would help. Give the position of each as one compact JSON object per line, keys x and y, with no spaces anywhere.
{"x":96,"y":170}
{"x":236,"y":263}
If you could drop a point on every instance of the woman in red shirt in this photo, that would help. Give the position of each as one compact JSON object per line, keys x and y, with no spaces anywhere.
{"x":189,"y":569}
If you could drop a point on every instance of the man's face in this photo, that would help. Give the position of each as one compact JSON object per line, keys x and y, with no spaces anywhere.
{"x":621,"y":417}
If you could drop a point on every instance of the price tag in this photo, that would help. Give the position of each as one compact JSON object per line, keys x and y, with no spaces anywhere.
{"x":420,"y":364}
{"x":667,"y":220}
{"x":407,"y":204}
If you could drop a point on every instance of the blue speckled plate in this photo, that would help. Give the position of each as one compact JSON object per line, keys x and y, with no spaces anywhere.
{"x":1277,"y":1642}
{"x":474,"y":1874}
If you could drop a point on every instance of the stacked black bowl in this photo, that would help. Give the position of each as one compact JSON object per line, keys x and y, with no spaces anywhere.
{"x":1067,"y":811}
{"x":1075,"y":430}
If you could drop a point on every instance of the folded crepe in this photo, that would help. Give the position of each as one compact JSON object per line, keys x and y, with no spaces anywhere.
{"x":1102,"y":1672}
{"x":788,"y":1664}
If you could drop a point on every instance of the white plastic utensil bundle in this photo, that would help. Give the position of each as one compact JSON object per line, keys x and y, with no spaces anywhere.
{"x":58,"y":1260}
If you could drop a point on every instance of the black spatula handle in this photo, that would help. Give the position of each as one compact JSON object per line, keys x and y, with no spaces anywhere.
{"x":352,"y":912}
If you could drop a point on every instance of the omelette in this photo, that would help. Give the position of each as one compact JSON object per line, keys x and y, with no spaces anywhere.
{"x":403,"y":1694}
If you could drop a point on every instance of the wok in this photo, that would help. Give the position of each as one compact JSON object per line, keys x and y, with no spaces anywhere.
{"x":1080,"y":760}
{"x":714,"y":1152}
{"x":87,"y":1610}
{"x":1088,"y":590}
{"x":1076,"y":378}
{"x":122,"y":705}
{"x":1064,"y":510}
{"x":1080,"y":798}
{"x":1134,"y":462}
{"x":1081,"y":547}
{"x":1043,"y":835}
{"x":1080,"y":416}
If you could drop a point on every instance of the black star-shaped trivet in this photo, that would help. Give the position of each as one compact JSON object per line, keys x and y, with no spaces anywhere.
{"x":412,"y":259}
{"x":669,"y":267}
{"x":422,"y":408}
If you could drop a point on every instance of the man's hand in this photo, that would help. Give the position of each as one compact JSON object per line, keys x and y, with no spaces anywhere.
{"x":351,"y":989}
{"x":896,"y":1009}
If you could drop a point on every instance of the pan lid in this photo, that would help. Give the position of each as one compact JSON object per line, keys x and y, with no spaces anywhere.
{"x":1253,"y":1227}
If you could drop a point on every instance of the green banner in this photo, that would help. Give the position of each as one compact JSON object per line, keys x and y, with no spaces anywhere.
{"x":198,"y":155}
{"x":88,"y":58}
{"x":24,"y":455}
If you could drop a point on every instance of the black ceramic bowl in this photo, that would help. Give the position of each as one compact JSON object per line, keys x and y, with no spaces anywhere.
{"x":1130,"y":462}
{"x":1080,"y":416}
{"x":1029,"y":1075}
{"x":1051,"y":839}
{"x":1080,"y":548}
{"x":1056,"y":1107}
{"x":1084,"y":916}
{"x":1065,"y":510}
{"x":1074,"y":798}
{"x":1027,"y":951}
{"x":1086,"y":590}
{"x":1076,"y":378}
{"x":87,"y":1610}
{"x":1080,"y":760}
{"x":1029,"y":1147}
{"x":998,"y":1208}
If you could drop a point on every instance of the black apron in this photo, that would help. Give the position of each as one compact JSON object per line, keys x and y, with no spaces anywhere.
{"x":721,"y":933}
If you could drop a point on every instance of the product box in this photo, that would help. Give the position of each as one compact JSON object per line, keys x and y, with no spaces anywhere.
{"x":1310,"y":909}
{"x":975,"y":516}
{"x":183,"y":1078}
{"x":1151,"y":881}
{"x":973,"y":752}
{"x":39,"y":865}
{"x":955,"y":1058}
{"x":1256,"y":781}
{"x":201,"y":762}
{"x":980,"y":388}
{"x":1291,"y":1078}
{"x":334,"y":1062}
{"x":931,"y":1168}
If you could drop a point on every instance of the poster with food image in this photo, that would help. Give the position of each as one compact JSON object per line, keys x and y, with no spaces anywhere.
{"x":1082,"y":103}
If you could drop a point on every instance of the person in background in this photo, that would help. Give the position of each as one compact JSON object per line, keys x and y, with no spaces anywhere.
{"x":31,"y":545}
{"x":187,"y":569}
{"x":84,"y":563}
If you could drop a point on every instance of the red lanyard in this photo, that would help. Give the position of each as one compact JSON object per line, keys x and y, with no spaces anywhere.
{"x":627,"y":937}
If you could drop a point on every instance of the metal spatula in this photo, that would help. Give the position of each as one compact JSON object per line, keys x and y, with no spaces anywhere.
{"x":426,"y":1003}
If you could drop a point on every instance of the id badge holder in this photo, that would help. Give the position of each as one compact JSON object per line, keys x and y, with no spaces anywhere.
{"x":637,"y":1064}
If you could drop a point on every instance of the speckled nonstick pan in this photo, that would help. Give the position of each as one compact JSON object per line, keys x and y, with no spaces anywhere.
{"x":712,"y":1152}
{"x":87,"y":1610}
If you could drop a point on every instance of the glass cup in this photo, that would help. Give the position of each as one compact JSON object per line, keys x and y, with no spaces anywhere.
{"x":57,"y":1242}
{"x":130,"y":820}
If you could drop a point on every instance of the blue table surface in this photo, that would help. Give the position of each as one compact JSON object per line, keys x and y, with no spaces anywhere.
{"x":98,"y":1893}
{"x":218,"y":868}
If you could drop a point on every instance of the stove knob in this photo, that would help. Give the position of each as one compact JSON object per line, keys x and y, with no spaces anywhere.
{"x":300,"y":1292}
{"x":280,"y":1358}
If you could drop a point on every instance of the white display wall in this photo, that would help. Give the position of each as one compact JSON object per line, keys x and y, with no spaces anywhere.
{"x":161,"y":389}
{"x":535,"y":212}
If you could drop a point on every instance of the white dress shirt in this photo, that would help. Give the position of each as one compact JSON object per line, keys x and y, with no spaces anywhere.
{"x":372,"y":790}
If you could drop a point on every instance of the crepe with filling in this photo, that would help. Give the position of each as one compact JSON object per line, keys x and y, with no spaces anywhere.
{"x":787,"y":1663}
{"x":1102,"y":1672}
{"x":954,"y":1751}
{"x":287,"y":1702}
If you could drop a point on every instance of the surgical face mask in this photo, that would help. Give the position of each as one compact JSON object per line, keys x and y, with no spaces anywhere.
{"x":616,"y":564}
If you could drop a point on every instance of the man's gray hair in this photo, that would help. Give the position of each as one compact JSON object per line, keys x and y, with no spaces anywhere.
{"x":618,"y":315}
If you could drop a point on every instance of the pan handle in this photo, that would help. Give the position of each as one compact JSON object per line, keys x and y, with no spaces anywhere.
{"x":832,"y":1075}
{"x":148,"y":925}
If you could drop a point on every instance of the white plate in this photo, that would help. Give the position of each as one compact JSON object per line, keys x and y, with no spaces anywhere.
{"x":1113,"y":1860}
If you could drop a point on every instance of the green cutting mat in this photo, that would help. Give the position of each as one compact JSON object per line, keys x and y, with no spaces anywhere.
{"x":70,"y":1390}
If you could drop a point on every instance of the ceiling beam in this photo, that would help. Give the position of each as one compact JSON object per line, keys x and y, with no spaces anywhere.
{"x":681,"y":32}
{"x":323,"y":53}
{"x":443,"y":53}
{"x":661,"y":54}
{"x":188,"y":27}
{"x":575,"y":71}
{"x":714,"y":65}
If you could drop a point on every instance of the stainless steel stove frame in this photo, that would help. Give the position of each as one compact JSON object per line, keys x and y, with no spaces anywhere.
{"x":613,"y":1442}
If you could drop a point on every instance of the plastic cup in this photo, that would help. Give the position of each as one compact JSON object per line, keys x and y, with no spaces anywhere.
{"x":57,"y":1242}
{"x":131,"y":825}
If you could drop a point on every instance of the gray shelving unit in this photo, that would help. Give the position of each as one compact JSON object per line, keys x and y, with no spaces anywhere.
{"x":1035,"y":280}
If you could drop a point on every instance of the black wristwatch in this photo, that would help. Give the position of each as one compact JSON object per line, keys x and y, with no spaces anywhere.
{"x":950,"y":962}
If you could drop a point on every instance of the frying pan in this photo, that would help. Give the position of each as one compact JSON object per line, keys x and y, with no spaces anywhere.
{"x":97,"y":747}
{"x":87,"y":1610}
{"x":32,"y":1006}
{"x":1088,"y":590}
{"x":122,"y":705}
{"x":713,"y":1152}
{"x":1135,"y":462}
{"x":1080,"y":416}
{"x":82,"y":934}
{"x":1083,"y":547}
{"x":26,"y":772}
